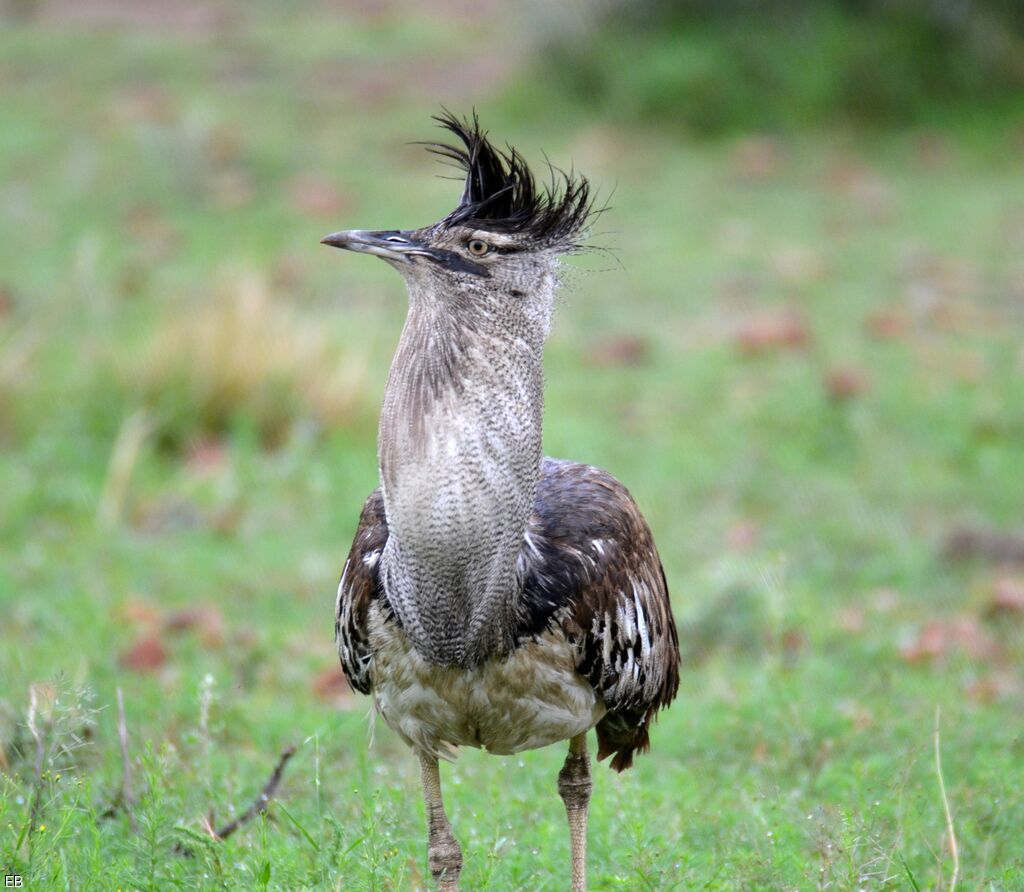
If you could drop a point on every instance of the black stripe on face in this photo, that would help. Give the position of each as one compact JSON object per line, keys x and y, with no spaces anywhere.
{"x":457,"y":263}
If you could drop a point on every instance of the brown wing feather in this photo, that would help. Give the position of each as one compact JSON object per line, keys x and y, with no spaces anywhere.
{"x":358,"y":589}
{"x":589,"y":565}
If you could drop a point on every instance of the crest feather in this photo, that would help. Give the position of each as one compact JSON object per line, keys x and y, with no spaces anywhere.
{"x":502,"y":195}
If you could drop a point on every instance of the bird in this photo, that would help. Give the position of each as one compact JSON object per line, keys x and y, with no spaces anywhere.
{"x":493,"y":597}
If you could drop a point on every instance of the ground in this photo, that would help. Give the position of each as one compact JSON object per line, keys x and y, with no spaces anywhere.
{"x":802,"y":354}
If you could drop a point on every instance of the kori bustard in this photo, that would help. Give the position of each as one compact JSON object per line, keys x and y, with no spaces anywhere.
{"x":493,"y":597}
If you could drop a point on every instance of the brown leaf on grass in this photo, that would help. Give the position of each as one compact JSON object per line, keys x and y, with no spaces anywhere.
{"x":887,"y":324}
{"x":205,"y":621}
{"x":208,"y":457}
{"x":758,"y":158}
{"x":144,"y":103}
{"x":148,"y":228}
{"x":969,"y":367}
{"x":6,"y":299}
{"x":180,"y":18}
{"x":794,"y":643}
{"x":140,"y":613}
{"x":147,"y":654}
{"x":846,"y":383}
{"x":859,"y":715}
{"x":860,"y":185}
{"x":852,"y":620}
{"x":1007,"y":597}
{"x":223,"y":144}
{"x":937,"y":639}
{"x":332,"y":686}
{"x":761,"y":334}
{"x":994,"y":686}
{"x":314,"y":194}
{"x":623,"y":350}
{"x":969,"y":543}
{"x":743,"y":535}
{"x":738,"y":287}
{"x":932,"y":150}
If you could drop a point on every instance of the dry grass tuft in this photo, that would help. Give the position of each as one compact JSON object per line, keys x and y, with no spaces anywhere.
{"x":244,"y":357}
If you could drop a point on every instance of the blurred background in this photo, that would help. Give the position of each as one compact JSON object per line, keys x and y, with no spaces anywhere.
{"x":803,"y":351}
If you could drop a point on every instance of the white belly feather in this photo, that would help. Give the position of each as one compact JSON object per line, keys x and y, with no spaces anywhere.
{"x":531,"y":698}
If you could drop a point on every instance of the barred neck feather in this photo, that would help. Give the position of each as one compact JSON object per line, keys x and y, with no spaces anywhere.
{"x":460,"y":451}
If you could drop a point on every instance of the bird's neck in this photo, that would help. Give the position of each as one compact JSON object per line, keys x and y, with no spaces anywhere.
{"x":459,"y":451}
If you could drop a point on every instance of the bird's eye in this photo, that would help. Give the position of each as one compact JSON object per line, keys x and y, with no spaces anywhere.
{"x":477,"y":247}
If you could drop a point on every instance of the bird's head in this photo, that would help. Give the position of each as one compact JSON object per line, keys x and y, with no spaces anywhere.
{"x":503,"y":241}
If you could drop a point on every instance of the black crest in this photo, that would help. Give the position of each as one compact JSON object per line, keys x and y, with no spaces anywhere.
{"x":502,"y":195}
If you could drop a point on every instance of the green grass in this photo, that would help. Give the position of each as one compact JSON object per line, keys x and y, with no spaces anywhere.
{"x":144,"y":173}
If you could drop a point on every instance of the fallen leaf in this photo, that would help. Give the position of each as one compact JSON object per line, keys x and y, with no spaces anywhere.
{"x":1007,"y":596}
{"x":859,"y":715}
{"x":223,"y":144}
{"x":205,"y":621}
{"x":207,"y":457}
{"x":937,"y":639}
{"x":147,"y":654}
{"x":778,"y":331}
{"x":150,"y":230}
{"x":852,"y":619}
{"x":932,"y":150}
{"x":146,"y":103}
{"x":861,"y":185}
{"x":794,"y":642}
{"x":738,"y":286}
{"x":140,"y":613}
{"x":743,"y":535}
{"x":846,"y":383}
{"x":758,"y":158}
{"x":332,"y":686}
{"x":6,"y":299}
{"x":623,"y":350}
{"x":993,"y":686}
{"x":966,"y":543}
{"x":886,"y":324}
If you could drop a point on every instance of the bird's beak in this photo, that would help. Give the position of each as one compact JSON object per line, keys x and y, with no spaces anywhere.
{"x":391,"y":244}
{"x":400,"y":246}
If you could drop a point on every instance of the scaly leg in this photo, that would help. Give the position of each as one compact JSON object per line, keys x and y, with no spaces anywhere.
{"x":574,"y":787}
{"x":444,"y":857}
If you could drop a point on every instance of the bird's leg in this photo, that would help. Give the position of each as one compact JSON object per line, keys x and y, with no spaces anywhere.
{"x":444,"y":857}
{"x":574,"y":787}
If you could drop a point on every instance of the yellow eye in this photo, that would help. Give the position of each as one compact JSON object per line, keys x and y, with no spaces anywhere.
{"x":477,"y":247}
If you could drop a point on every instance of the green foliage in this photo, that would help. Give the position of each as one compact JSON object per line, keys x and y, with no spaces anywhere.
{"x":713,"y":68}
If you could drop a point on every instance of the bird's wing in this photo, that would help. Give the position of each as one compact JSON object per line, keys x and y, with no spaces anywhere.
{"x":360,"y":587}
{"x":589,"y":567}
